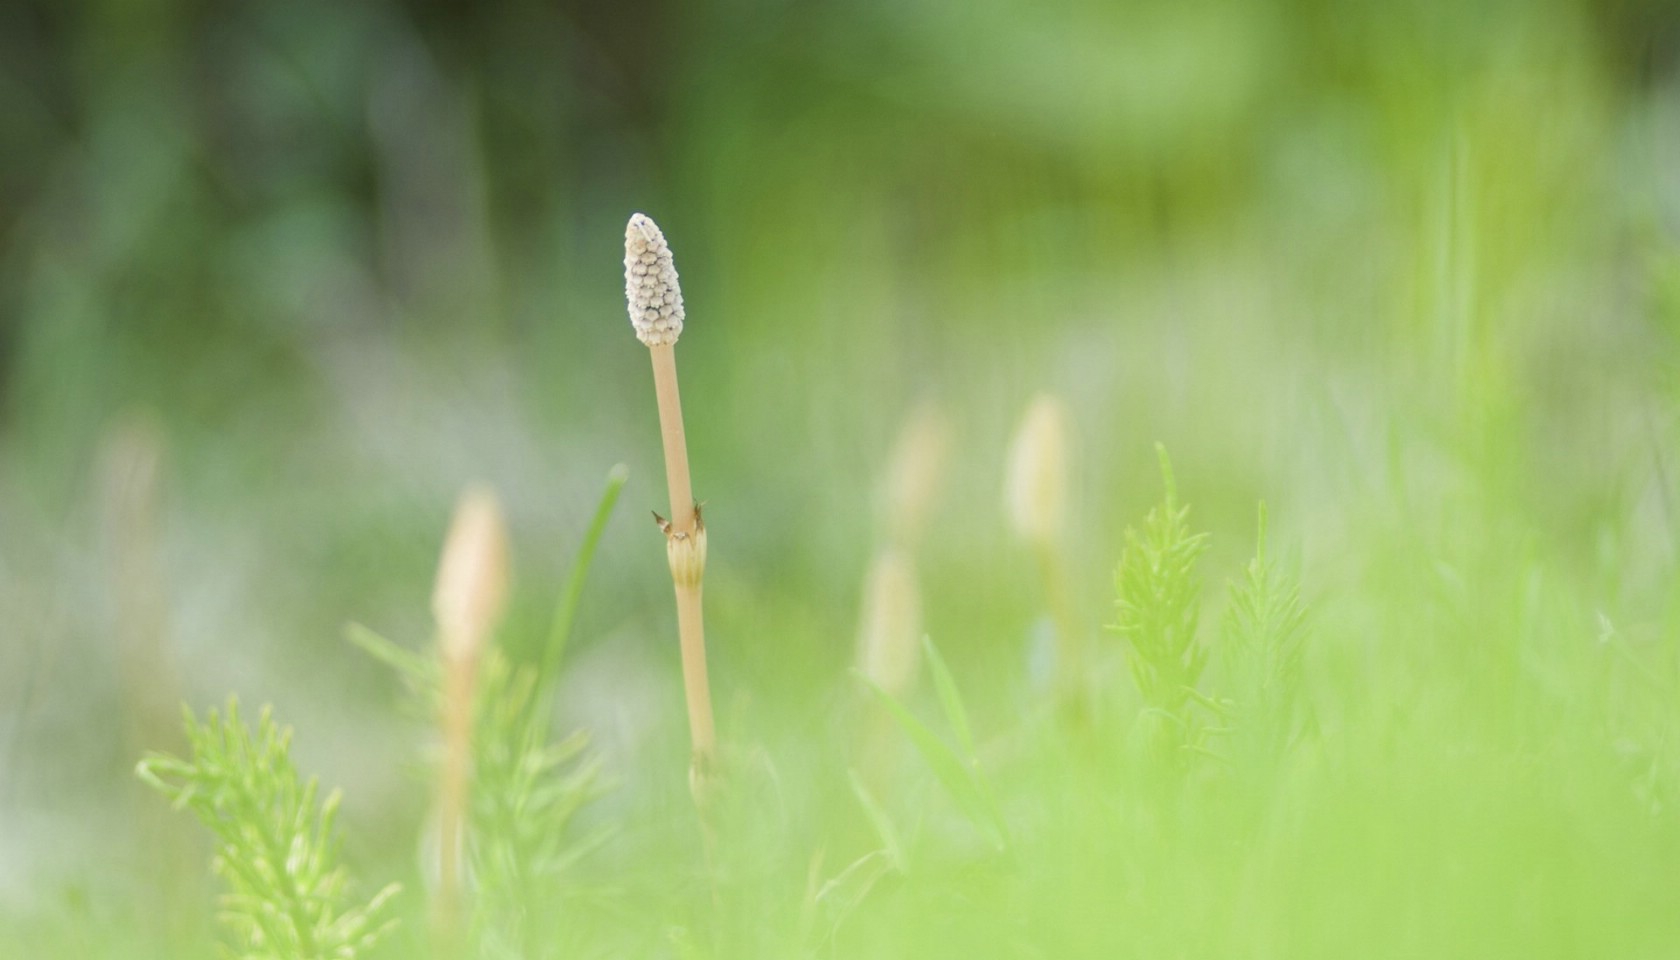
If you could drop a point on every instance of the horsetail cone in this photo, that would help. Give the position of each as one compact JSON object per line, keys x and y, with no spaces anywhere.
{"x":650,"y":283}
{"x":656,"y":312}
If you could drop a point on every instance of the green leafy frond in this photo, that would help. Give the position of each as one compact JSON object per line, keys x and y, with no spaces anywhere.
{"x":1158,"y":600}
{"x":527,"y":790}
{"x":288,"y":897}
{"x":1263,"y":629}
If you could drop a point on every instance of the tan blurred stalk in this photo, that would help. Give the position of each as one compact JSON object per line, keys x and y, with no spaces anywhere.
{"x":912,"y":479}
{"x":890,"y":627}
{"x":890,"y":622}
{"x":131,"y":481}
{"x":468,"y":601}
{"x":1036,"y":503}
{"x":890,"y":619}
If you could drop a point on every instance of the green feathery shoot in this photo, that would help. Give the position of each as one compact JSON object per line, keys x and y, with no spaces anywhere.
{"x":1158,"y":601}
{"x":526,"y":791}
{"x":1263,"y":629}
{"x":288,"y":897}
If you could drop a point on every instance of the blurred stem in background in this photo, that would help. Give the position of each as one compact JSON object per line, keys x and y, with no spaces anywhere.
{"x":133,"y":479}
{"x":1036,"y":501}
{"x":468,"y":602}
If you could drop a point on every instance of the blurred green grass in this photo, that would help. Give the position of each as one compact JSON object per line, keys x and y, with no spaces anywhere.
{"x":1405,"y":272}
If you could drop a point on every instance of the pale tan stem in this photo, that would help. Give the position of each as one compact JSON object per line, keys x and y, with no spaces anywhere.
{"x":1071,"y":653}
{"x":676,"y":445}
{"x":685,"y":545}
{"x":692,"y":631}
{"x":460,"y":676}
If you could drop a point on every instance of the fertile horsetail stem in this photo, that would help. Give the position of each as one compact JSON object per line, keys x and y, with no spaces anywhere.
{"x":656,"y":312}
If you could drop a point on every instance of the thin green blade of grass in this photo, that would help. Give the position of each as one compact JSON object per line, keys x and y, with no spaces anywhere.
{"x":890,"y":842}
{"x":848,"y":889}
{"x":955,"y":713}
{"x":565,"y":612}
{"x":957,"y":775}
{"x":421,"y":671}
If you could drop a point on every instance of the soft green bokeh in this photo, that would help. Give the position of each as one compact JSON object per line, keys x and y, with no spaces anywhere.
{"x":278,"y":278}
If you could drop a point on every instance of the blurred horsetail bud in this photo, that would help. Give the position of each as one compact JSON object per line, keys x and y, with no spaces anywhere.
{"x":911,"y":480}
{"x":891,"y":624}
{"x":650,"y":283}
{"x":472,"y":580}
{"x":468,"y":601}
{"x":1035,"y":491}
{"x":1036,"y":498}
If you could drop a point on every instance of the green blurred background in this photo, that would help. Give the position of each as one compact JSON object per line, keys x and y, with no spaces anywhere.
{"x":279,"y":277}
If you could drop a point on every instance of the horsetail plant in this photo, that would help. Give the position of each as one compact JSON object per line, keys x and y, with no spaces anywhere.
{"x":507,"y":791}
{"x":1157,"y":608}
{"x":1263,"y":630}
{"x":1035,"y":499}
{"x":889,"y":625}
{"x":132,"y":481}
{"x":656,"y":311}
{"x":288,"y":897}
{"x":914,"y":475}
{"x":467,"y":602}
{"x":527,"y":789}
{"x":890,"y":619}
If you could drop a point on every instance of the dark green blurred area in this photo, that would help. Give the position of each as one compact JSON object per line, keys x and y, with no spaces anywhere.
{"x":1408,"y":272}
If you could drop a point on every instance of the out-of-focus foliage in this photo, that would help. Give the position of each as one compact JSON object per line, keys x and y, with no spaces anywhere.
{"x":279,"y":277}
{"x":1158,"y":607}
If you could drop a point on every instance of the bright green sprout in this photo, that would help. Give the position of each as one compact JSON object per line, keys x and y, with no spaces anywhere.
{"x":1157,"y":608}
{"x":288,"y":897}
